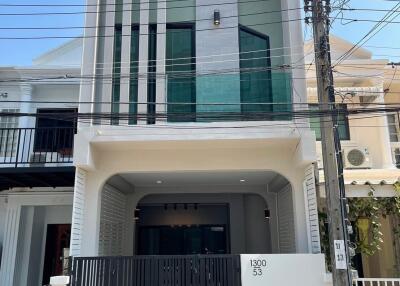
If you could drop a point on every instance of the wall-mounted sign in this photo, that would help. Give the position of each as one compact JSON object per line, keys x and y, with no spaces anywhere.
{"x":283,"y":269}
{"x":340,"y":255}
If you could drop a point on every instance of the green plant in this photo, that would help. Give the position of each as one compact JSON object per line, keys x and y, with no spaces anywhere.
{"x":366,"y":210}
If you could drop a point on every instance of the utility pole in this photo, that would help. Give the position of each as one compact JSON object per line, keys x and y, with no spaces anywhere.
{"x":331,"y":150}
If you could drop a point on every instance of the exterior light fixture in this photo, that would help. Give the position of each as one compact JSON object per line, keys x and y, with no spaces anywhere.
{"x":217,"y":17}
{"x":136,"y":214}
{"x":267,"y":213}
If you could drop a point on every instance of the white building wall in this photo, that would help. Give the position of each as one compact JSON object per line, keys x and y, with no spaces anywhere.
{"x":28,"y":214}
{"x":287,"y":242}
{"x":112,"y":222}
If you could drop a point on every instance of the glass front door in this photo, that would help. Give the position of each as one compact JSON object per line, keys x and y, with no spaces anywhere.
{"x":182,"y":240}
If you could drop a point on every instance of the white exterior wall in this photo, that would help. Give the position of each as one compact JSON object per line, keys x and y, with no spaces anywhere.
{"x":28,"y":214}
{"x":286,"y":229}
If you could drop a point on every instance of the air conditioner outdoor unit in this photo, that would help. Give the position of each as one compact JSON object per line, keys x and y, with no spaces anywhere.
{"x":356,"y":158}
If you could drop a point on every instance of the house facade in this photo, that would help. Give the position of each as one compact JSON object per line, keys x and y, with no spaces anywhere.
{"x":36,"y":166}
{"x":361,"y":81}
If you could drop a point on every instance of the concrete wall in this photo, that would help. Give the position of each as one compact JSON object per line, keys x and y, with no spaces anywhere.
{"x":32,"y":240}
{"x":28,"y":214}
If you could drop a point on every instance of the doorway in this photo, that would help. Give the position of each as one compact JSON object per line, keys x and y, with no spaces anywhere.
{"x":57,"y":247}
{"x":182,"y":240}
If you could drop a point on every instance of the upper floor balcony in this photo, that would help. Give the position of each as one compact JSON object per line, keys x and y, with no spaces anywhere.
{"x":36,"y":157}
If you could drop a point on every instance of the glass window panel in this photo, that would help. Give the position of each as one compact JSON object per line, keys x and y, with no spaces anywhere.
{"x":255,"y":79}
{"x":179,"y":67}
{"x":8,"y":135}
{"x":134,"y":69}
{"x":393,"y":126}
{"x":343,"y":124}
{"x":116,"y":72}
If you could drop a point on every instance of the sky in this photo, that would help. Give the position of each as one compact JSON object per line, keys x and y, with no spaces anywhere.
{"x":22,"y":52}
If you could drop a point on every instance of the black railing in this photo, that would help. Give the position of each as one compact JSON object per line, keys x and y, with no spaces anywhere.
{"x":42,"y":146}
{"x":185,"y":270}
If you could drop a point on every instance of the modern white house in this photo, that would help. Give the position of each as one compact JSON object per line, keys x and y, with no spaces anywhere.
{"x":199,"y":153}
{"x":369,"y":142}
{"x":36,"y":165}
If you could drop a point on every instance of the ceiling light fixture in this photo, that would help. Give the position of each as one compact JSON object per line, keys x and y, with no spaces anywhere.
{"x":242,"y":180}
{"x":159,"y":182}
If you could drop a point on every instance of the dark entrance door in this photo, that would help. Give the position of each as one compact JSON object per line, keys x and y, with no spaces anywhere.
{"x":57,"y":239}
{"x":182,"y":240}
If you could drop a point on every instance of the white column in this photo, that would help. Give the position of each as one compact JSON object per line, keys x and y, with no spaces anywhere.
{"x":89,"y":57}
{"x":125,"y":58}
{"x":78,"y":212}
{"x":293,"y":39}
{"x":161,"y":54}
{"x":143,"y":57}
{"x":108,"y":59}
{"x":25,"y":107}
{"x":10,"y":245}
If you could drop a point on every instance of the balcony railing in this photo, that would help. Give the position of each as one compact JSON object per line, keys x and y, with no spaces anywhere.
{"x":36,"y":147}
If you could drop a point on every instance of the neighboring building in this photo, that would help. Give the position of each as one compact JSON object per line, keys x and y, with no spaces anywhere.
{"x":36,"y":165}
{"x":369,"y":141}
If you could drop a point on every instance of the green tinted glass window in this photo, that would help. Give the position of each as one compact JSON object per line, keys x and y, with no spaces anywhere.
{"x":134,"y":68}
{"x":116,"y":82}
{"x":343,"y":124}
{"x":255,"y":87}
{"x":180,"y":64}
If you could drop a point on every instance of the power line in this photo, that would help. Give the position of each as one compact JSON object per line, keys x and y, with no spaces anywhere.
{"x":373,"y":31}
{"x":123,"y":35}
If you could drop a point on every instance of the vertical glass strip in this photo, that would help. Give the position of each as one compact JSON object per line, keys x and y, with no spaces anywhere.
{"x":134,"y":69}
{"x":116,"y":80}
{"x":152,"y":68}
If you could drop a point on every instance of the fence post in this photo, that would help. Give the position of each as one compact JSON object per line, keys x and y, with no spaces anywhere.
{"x":19,"y":143}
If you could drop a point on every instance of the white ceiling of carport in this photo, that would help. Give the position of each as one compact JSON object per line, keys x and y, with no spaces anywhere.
{"x":200,"y":178}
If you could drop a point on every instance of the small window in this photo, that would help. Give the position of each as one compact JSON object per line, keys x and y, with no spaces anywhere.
{"x":343,"y":124}
{"x":394,"y":128}
{"x":8,"y":133}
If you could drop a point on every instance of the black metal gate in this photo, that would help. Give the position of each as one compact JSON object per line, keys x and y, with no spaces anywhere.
{"x":187,"y":270}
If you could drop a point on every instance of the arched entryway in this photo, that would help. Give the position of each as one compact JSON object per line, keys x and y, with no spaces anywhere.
{"x":185,"y":213}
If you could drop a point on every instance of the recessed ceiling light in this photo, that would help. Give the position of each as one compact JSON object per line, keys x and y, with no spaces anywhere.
{"x":159,"y":182}
{"x":242,"y":180}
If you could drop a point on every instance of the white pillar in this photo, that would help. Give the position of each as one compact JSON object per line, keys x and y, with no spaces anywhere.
{"x":7,"y":271}
{"x":89,"y":57}
{"x":161,"y":54}
{"x":78,"y":212}
{"x":108,"y":59}
{"x":143,"y":58}
{"x":26,"y":122}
